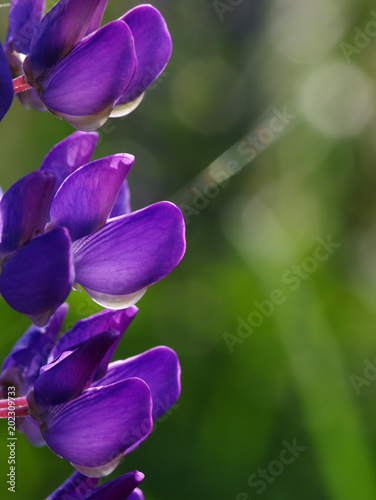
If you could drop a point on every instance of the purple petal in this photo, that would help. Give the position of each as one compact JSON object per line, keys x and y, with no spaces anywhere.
{"x":31,"y":98}
{"x":136,"y":495}
{"x":159,"y":368}
{"x":39,"y":277}
{"x":6,"y":85}
{"x":94,"y":430}
{"x":153,"y":48}
{"x":70,"y":154}
{"x":86,"y":328}
{"x":94,"y":75}
{"x":28,"y":97}
{"x":24,"y":17}
{"x":117,"y":489}
{"x":68,"y":377}
{"x":130,"y":253}
{"x":31,"y":351}
{"x":24,"y":209}
{"x":123,"y":202}
{"x":85,"y":199}
{"x":59,"y":31}
{"x":74,"y":487}
{"x":30,"y":428}
{"x":10,"y":376}
{"x":97,"y":17}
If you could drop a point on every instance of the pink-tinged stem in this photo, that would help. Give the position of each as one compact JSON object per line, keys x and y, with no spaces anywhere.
{"x":21,"y":401}
{"x":20,"y":84}
{"x":16,"y":407}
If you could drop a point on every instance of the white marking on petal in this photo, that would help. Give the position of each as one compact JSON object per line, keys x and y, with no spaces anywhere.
{"x":76,"y":287}
{"x":115,"y":301}
{"x":88,"y":123}
{"x":40,"y":319}
{"x":125,"y":109}
{"x":100,"y":471}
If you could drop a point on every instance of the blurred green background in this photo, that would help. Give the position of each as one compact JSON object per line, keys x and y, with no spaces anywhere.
{"x":272,"y":311}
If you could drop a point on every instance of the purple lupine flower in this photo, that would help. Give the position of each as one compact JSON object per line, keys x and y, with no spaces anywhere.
{"x":6,"y":87}
{"x":21,"y":367}
{"x":92,"y":420}
{"x":67,"y":224}
{"x":80,"y":487}
{"x":78,"y":70}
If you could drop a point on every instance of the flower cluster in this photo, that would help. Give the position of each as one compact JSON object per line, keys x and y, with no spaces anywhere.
{"x":69,"y":224}
{"x":51,"y":57}
{"x":69,"y":384}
